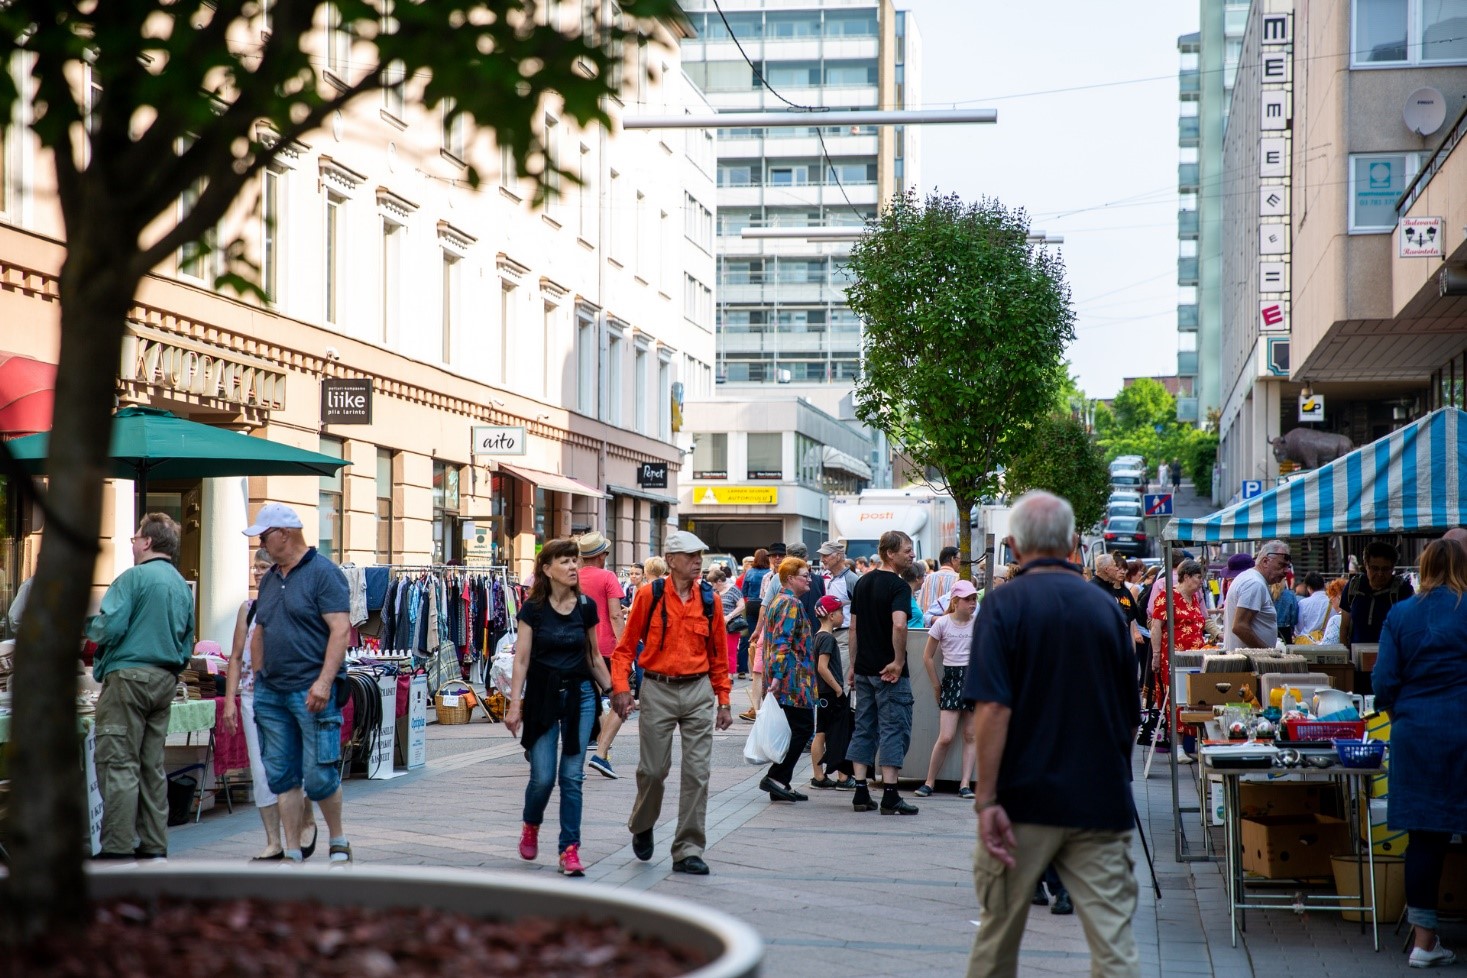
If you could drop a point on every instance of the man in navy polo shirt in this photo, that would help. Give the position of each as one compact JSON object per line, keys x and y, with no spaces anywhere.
{"x":1052,"y":666}
{"x":301,"y":634}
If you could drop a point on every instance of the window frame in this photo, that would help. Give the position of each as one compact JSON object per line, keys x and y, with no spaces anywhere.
{"x":1414,"y":43}
{"x":1414,"y":160}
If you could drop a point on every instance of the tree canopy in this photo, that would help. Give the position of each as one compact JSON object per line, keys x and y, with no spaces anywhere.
{"x":966,"y":323}
{"x":1142,"y":420}
{"x":158,"y":115}
{"x":1064,"y":459}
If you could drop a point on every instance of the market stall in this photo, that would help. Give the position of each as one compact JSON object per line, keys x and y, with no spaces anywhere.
{"x":1407,"y":483}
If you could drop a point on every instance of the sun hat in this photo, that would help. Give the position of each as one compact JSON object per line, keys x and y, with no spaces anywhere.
{"x":827,"y":605}
{"x":593,"y":544}
{"x":274,"y":516}
{"x":683,"y":542}
{"x":1237,"y":564}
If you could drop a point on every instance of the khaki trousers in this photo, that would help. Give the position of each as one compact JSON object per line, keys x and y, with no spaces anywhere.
{"x":666,"y":707}
{"x":132,"y":724}
{"x":1095,"y":866}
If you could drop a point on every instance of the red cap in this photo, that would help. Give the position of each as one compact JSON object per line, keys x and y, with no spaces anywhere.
{"x":826,"y":605}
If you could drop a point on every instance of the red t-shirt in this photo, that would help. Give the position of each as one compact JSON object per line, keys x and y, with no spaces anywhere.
{"x":602,"y":587}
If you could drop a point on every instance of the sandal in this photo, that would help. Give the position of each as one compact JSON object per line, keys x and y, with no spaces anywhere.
{"x":343,"y":851}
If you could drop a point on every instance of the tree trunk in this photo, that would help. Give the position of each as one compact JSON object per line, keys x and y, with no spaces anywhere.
{"x":965,"y":537}
{"x":47,"y":817}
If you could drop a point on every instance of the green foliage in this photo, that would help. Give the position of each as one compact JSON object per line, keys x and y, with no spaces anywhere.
{"x":1144,"y":404}
{"x":1198,"y":458}
{"x":965,"y":327}
{"x":1063,"y":459}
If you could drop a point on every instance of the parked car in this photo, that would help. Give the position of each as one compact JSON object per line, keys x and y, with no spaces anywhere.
{"x":1127,"y":535}
{"x":727,"y":560}
{"x":1124,"y":496}
{"x":1126,"y":509}
{"x":1127,"y":462}
{"x":1127,"y":480}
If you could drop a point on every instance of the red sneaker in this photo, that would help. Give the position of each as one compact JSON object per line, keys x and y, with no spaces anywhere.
{"x":529,"y":841}
{"x":570,"y":861}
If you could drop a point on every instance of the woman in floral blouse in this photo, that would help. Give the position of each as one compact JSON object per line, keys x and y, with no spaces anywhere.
{"x":1189,"y":623}
{"x":789,"y":672}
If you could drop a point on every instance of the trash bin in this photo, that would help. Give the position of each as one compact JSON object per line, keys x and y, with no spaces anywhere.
{"x":1390,"y":885}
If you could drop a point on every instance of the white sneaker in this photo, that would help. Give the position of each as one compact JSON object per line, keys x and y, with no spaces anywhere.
{"x":1435,"y":958}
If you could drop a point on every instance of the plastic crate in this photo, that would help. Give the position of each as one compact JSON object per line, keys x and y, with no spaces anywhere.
{"x":1325,"y":729}
{"x":1367,"y":754}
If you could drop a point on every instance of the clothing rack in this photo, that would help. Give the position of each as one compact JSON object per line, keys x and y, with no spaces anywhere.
{"x":449,"y":617}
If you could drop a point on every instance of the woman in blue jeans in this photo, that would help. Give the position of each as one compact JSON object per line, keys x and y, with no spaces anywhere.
{"x":554,"y":696}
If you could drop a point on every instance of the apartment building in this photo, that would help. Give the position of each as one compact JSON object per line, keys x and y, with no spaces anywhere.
{"x":1325,"y":137}
{"x":523,"y":365}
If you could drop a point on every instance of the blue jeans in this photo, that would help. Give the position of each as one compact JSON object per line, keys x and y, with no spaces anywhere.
{"x":883,"y":721}
{"x":298,"y":747}
{"x":549,"y":763}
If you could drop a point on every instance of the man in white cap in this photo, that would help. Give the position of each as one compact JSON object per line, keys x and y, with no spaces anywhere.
{"x":684,"y":661}
{"x":602,"y":587}
{"x":298,"y":652}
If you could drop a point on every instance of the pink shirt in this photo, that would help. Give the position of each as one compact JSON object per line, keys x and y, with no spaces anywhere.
{"x":602,"y":587}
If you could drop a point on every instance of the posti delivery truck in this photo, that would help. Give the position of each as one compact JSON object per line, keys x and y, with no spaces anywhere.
{"x":929,"y":518}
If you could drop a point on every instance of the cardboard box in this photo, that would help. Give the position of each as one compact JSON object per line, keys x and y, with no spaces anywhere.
{"x":1293,"y":846}
{"x":1363,"y":655}
{"x":1201,"y":687}
{"x":1257,"y":798}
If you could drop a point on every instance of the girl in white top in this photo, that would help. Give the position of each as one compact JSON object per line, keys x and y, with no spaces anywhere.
{"x":952,"y":634}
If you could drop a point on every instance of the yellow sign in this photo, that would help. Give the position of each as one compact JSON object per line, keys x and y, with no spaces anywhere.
{"x":735,"y":495}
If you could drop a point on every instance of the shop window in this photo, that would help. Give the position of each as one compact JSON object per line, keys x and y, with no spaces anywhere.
{"x":766,"y":455}
{"x":384,"y":506}
{"x":542,"y":517}
{"x":1376,"y":183}
{"x":329,"y":502}
{"x":710,"y":455}
{"x":445,"y":512}
{"x":659,"y":526}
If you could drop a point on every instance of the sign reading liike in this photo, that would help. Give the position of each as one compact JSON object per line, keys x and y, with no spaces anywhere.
{"x":346,"y":400}
{"x":499,"y":439}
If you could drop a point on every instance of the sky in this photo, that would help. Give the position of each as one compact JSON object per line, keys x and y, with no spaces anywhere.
{"x":1086,"y":142}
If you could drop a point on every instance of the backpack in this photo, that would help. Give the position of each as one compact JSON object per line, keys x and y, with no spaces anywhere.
{"x":658,"y":587}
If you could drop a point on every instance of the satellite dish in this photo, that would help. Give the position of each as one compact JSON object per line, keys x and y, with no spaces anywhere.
{"x":1425,"y":111}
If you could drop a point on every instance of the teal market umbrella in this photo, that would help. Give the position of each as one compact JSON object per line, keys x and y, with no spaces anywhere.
{"x":148,"y":443}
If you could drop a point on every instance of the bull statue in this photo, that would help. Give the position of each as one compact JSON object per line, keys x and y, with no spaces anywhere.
{"x":1310,"y":447}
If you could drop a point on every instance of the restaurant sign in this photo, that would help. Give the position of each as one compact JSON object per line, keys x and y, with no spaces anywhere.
{"x":178,"y":367}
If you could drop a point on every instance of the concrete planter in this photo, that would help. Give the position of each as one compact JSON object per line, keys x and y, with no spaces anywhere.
{"x":735,"y":949}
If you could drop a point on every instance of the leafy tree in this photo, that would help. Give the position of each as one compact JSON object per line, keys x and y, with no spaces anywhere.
{"x":1063,"y":459}
{"x":1144,"y":404}
{"x":1198,"y":457}
{"x":965,"y":327}
{"x":140,"y":104}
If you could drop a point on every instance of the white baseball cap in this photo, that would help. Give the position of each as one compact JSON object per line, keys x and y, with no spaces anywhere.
{"x":274,"y":516}
{"x":683,"y":542}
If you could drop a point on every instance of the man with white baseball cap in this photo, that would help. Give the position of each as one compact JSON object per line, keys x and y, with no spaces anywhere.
{"x":298,"y":652}
{"x":684,"y":662}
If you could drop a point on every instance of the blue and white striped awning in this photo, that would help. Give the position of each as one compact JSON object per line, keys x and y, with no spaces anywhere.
{"x":1408,"y":481}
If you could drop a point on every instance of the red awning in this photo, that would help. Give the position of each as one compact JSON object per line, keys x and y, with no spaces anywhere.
{"x":27,"y":392}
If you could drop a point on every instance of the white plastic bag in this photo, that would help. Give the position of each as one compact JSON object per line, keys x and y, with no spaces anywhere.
{"x":770,"y":738}
{"x":501,"y":669}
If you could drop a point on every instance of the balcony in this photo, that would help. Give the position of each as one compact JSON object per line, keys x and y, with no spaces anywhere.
{"x":1189,"y":84}
{"x":1187,"y":319}
{"x":1186,"y":363}
{"x":1187,"y":410}
{"x":1186,"y":271}
{"x":787,"y":293}
{"x":1189,"y":131}
{"x":1187,"y":224}
{"x":1187,"y":177}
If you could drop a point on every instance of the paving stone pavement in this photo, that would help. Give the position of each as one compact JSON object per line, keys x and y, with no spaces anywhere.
{"x":833,"y":892}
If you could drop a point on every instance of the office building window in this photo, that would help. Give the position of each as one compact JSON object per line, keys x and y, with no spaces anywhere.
{"x":710,"y":455}
{"x":445,"y":512}
{"x":335,"y":246}
{"x":587,"y":363}
{"x":1376,"y":183}
{"x":766,"y":455}
{"x":384,"y":506}
{"x":1394,"y":32}
{"x":329,"y":503}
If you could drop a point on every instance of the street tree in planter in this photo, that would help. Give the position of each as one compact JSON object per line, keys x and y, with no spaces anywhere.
{"x":1062,"y":458}
{"x":159,"y":116}
{"x":965,"y":326}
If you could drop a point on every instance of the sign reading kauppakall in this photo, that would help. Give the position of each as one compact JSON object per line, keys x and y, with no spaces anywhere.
{"x":499,"y":439}
{"x":346,"y":400}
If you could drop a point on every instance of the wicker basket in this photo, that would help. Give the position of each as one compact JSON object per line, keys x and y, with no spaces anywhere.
{"x":465,"y":699}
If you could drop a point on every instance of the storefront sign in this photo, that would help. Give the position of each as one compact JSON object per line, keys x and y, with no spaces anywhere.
{"x":1421,"y":237}
{"x":1311,"y":407}
{"x":151,"y":360}
{"x":346,"y":400}
{"x":499,"y":439}
{"x":774,"y":474}
{"x":652,"y":475}
{"x":736,"y":496}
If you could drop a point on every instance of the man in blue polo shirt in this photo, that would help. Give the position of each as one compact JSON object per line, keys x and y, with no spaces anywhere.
{"x":1053,"y":666}
{"x":301,"y":634}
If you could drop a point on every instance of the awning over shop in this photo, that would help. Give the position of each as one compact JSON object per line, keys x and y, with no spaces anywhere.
{"x":551,"y":482}
{"x":834,"y":458}
{"x":27,"y":393}
{"x":1407,"y":482}
{"x":651,"y":497}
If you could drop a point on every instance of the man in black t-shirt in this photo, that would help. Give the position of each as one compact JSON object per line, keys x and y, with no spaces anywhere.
{"x":1052,"y":667}
{"x":880,"y":607}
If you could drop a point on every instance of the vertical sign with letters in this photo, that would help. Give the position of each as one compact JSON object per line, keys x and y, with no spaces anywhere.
{"x":1275,"y":101}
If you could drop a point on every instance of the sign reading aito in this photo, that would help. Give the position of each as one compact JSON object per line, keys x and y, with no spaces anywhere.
{"x":499,"y":439}
{"x":736,"y":496}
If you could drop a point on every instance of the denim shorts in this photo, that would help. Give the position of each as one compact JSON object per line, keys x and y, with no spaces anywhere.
{"x":883,"y":724}
{"x":298,"y":747}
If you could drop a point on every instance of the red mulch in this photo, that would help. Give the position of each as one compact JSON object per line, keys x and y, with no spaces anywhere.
{"x":134,"y":938}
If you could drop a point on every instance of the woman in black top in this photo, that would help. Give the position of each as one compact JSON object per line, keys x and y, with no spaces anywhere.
{"x":554,"y":696}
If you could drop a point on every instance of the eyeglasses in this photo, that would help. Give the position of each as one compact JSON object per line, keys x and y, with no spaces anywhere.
{"x":1284,"y":557}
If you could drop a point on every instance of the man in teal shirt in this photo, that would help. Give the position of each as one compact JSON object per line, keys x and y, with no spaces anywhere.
{"x":144,"y":634}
